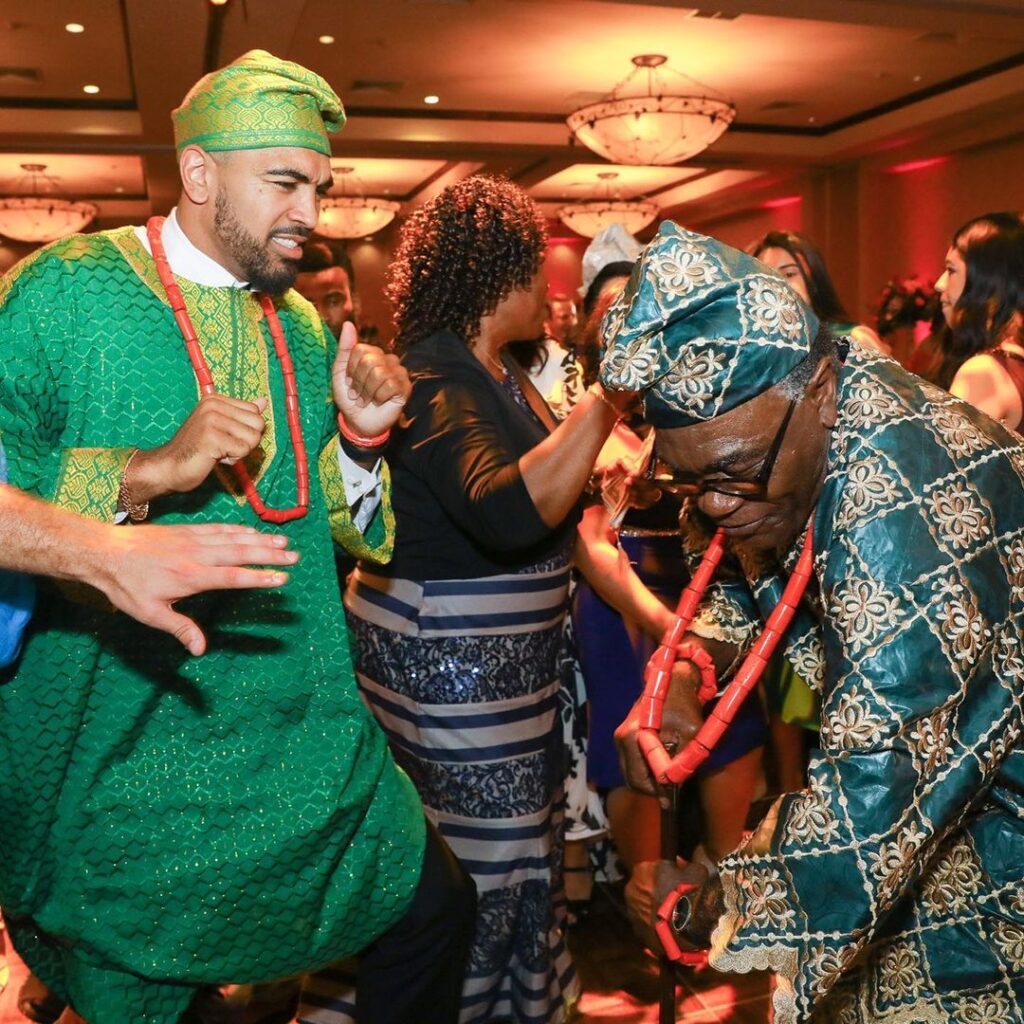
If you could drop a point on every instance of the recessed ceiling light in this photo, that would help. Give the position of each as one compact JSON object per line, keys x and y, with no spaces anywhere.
{"x":91,"y":89}
{"x":218,"y":3}
{"x":119,"y":188}
{"x":431,"y":99}
{"x":74,"y":28}
{"x":326,"y":40}
{"x":917,"y":78}
{"x":811,"y":120}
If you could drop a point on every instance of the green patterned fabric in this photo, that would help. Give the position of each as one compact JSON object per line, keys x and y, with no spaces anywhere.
{"x":892,"y":888}
{"x":701,"y":328}
{"x":258,"y":102}
{"x":173,"y":821}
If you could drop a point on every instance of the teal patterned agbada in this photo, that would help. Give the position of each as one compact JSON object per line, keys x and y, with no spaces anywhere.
{"x":170,"y":821}
{"x":892,"y":889}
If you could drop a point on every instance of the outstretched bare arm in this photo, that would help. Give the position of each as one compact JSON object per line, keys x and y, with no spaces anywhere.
{"x":143,"y":570}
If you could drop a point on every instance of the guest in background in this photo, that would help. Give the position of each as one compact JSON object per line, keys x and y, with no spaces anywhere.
{"x":560,"y":323}
{"x":327,"y":279}
{"x":904,"y":303}
{"x":459,"y":638}
{"x":982,"y":290}
{"x":607,"y":264}
{"x":550,"y":359}
{"x":802,"y":265}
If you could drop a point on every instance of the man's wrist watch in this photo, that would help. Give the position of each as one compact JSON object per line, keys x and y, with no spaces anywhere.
{"x":681,"y":914}
{"x":135,"y":511}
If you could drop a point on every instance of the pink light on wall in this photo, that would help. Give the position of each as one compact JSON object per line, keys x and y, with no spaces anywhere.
{"x":916,"y":165}
{"x":782,"y":202}
{"x":785,"y":213}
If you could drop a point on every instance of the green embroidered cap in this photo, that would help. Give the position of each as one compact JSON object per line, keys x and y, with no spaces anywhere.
{"x":258,"y":102}
{"x":701,"y":328}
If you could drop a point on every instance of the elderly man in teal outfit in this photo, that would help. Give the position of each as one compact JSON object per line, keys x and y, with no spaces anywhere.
{"x":176,"y":823}
{"x":890,"y":889}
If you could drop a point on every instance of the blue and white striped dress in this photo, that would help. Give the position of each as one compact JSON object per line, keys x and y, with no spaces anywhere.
{"x":464,"y":676}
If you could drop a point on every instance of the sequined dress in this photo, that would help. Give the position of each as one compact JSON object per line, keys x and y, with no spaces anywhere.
{"x":177,"y":821}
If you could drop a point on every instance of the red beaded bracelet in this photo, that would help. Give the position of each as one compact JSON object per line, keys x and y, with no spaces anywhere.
{"x":357,"y":439}
{"x":666,"y":933}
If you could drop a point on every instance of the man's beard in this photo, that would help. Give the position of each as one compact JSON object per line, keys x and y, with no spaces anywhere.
{"x":255,"y":260}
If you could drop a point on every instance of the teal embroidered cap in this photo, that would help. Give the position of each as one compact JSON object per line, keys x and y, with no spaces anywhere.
{"x":701,"y":328}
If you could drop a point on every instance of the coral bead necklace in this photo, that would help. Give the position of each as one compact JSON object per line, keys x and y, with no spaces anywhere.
{"x":207,"y":386}
{"x":658,"y":674}
{"x":669,"y":770}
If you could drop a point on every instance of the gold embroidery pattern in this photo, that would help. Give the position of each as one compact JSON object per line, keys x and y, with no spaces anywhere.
{"x":89,"y":479}
{"x":228,"y":322}
{"x":378,"y":544}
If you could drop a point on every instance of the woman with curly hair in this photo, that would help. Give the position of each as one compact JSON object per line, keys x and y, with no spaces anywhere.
{"x":982,"y":290}
{"x":460,"y":636}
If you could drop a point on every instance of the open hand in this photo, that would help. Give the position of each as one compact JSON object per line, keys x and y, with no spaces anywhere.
{"x":143,"y":570}
{"x":370,"y":385}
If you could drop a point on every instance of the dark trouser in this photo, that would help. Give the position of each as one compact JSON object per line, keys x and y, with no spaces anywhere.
{"x":413,"y":973}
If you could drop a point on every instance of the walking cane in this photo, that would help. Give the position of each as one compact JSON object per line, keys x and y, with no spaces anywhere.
{"x":671,"y":769}
{"x":669,"y":849}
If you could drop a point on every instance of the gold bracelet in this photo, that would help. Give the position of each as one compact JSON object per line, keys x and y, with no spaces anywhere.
{"x":137,"y":513}
{"x":597,"y":390}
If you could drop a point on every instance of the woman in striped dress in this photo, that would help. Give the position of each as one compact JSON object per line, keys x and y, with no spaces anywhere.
{"x":460,"y":637}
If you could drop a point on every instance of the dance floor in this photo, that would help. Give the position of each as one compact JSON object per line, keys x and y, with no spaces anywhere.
{"x":620,"y":980}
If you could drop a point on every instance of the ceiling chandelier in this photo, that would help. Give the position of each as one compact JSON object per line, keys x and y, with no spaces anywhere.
{"x":592,"y":216}
{"x":354,"y":216}
{"x":37,"y":216}
{"x":650,"y":119}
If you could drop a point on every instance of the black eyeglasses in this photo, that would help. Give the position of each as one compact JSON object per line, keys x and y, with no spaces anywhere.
{"x":692,"y":485}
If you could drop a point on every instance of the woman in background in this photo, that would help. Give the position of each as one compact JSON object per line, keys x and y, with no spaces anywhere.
{"x":801,"y":263}
{"x":982,"y":290}
{"x":460,"y":638}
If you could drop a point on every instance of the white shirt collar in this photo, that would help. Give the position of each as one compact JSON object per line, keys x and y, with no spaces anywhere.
{"x":188,"y":261}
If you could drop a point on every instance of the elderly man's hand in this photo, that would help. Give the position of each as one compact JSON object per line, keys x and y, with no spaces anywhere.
{"x":649,"y":885}
{"x":370,"y":385}
{"x":681,"y":719}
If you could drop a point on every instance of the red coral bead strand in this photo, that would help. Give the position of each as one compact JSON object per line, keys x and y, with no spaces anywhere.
{"x":207,"y":386}
{"x":674,"y":770}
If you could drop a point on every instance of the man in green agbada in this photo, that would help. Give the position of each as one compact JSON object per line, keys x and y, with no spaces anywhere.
{"x":889,"y":891}
{"x":174,"y":824}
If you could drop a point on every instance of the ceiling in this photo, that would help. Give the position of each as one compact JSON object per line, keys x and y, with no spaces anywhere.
{"x":814,"y":83}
